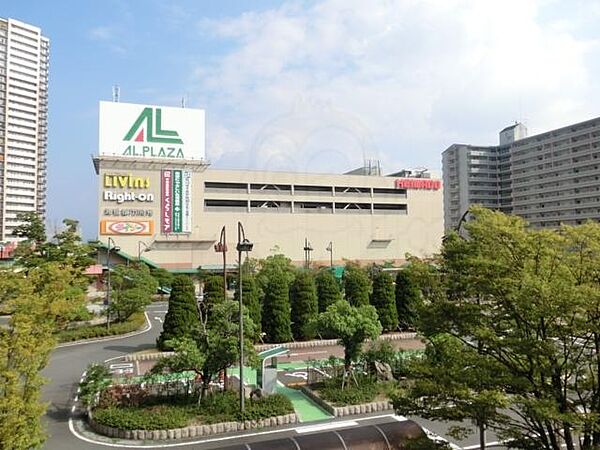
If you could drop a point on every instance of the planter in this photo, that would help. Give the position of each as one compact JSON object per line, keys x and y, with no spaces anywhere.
{"x":190,"y":431}
{"x":348,"y":410}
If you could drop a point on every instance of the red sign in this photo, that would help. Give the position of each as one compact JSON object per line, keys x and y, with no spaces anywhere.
{"x":418,"y":183}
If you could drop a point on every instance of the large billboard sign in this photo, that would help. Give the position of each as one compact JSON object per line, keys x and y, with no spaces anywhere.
{"x":176,"y":201}
{"x":147,"y":131}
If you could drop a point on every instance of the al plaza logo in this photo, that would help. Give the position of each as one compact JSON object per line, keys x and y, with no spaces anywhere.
{"x":147,"y":128}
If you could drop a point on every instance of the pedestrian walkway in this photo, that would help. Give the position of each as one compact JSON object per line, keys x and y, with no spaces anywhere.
{"x":305,"y":408}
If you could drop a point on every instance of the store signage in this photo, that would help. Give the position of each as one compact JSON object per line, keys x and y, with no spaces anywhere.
{"x":122,"y":197}
{"x":126,"y":181}
{"x":147,"y":131}
{"x":176,"y":201}
{"x":127,"y":212}
{"x":418,"y":183}
{"x":127,"y":227}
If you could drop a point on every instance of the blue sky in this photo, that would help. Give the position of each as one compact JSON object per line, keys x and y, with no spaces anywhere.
{"x":313,"y":86}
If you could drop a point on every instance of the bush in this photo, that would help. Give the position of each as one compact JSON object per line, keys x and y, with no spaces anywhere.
{"x":134,"y":323}
{"x":97,"y":377}
{"x":183,"y":410}
{"x":331,"y":391}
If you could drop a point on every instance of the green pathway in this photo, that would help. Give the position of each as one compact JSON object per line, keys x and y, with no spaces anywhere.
{"x":307,"y":410}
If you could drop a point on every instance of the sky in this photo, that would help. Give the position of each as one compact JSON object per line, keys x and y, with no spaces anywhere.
{"x":315,"y":86}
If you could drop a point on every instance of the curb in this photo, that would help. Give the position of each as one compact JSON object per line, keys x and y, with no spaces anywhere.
{"x":348,"y":410}
{"x":332,"y":342}
{"x":147,"y":328}
{"x":193,"y":430}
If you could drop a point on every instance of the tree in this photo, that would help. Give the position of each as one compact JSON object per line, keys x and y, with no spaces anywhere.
{"x":382,"y":299}
{"x":251,"y":301}
{"x":525,"y":301}
{"x":328,"y":289}
{"x":162,"y":276}
{"x":408,"y":297}
{"x":41,"y":300}
{"x":213,"y":293}
{"x":352,"y":326}
{"x":276,"y":309}
{"x":303,"y":299}
{"x":357,"y":285}
{"x":271,"y":264}
{"x":214,"y":348}
{"x":453,"y":383}
{"x":32,"y":229}
{"x":132,"y":290}
{"x":182,"y":318}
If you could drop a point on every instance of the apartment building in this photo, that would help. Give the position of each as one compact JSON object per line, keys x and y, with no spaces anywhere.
{"x":550,"y":179}
{"x":23,"y":122}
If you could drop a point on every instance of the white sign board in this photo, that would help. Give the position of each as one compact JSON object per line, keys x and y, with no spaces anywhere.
{"x":148,"y":131}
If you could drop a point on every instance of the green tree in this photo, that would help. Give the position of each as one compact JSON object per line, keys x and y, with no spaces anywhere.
{"x":527,"y":301}
{"x":352,"y":326}
{"x":328,"y":289}
{"x":357,"y":285}
{"x":214,"y":348}
{"x":41,"y":301}
{"x":408,"y":297}
{"x":453,"y":382}
{"x":32,"y":228}
{"x":213,"y":294}
{"x":162,"y":276}
{"x":182,"y":318}
{"x":382,"y":298}
{"x":303,"y":299}
{"x":276,"y":309}
{"x":271,"y":264}
{"x":251,"y":300}
{"x":132,"y":288}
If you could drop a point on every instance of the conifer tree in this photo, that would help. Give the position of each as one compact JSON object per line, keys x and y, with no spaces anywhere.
{"x":328,"y":289}
{"x":303,"y":299}
{"x":408,"y":298}
{"x":250,"y":300}
{"x":383,"y":300}
{"x":276,"y":318}
{"x":357,"y":285}
{"x":182,"y":319}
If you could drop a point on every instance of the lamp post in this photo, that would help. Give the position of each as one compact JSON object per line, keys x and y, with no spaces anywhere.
{"x":146,"y":249}
{"x":243,"y":245}
{"x":307,"y":249}
{"x":115,"y":248}
{"x":221,"y":247}
{"x":330,"y":250}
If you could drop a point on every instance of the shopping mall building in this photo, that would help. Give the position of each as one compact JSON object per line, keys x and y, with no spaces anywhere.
{"x":159,"y":199}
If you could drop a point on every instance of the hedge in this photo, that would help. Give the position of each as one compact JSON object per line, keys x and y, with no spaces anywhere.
{"x":134,"y":323}
{"x":183,"y":411}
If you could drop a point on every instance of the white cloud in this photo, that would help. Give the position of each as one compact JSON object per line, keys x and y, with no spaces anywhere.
{"x":319,"y":87}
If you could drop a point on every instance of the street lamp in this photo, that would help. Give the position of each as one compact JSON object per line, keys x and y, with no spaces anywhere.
{"x":116,"y":249}
{"x":330,"y":250}
{"x":146,"y":249}
{"x":307,"y":249}
{"x":221,"y":247}
{"x":243,"y":245}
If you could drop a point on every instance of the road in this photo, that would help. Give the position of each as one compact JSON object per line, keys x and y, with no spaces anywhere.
{"x":68,"y":363}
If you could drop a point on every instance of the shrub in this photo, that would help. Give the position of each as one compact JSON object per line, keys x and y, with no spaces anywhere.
{"x":182,"y":316}
{"x":357,"y":285}
{"x":180,"y":411}
{"x":97,"y":377}
{"x":331,"y":391}
{"x":134,"y":323}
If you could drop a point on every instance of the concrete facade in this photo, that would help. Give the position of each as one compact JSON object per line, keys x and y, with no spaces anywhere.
{"x":23,"y":122}
{"x":549,"y":179}
{"x":365,"y":217}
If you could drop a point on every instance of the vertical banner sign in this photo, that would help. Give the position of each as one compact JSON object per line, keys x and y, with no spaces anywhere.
{"x":177,"y":202}
{"x":166,"y":205}
{"x":187,"y":202}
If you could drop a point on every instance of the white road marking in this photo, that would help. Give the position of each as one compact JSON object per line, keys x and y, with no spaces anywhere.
{"x":123,"y":336}
{"x":326,"y":426}
{"x":158,"y":319}
{"x":309,"y":353}
{"x":487,"y":444}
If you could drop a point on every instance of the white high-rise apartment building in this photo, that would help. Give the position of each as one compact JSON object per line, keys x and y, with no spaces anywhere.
{"x":23,"y":122}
